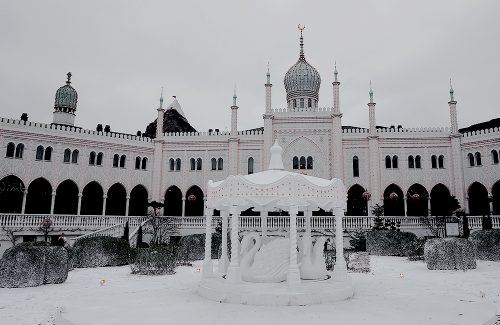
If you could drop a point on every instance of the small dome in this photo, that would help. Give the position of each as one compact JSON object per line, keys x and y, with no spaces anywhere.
{"x":66,"y":96}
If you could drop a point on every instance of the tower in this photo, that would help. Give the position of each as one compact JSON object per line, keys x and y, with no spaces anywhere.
{"x":456,"y":160}
{"x":337,"y":151}
{"x":268,"y":124}
{"x":233,"y":139}
{"x":157,"y":194}
{"x":374,"y":154}
{"x":65,"y":104}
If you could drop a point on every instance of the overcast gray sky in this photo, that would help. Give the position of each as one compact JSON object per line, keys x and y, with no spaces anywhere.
{"x":122,"y":52}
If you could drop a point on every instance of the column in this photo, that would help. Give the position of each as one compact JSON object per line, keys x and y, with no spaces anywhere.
{"x":224,"y":261}
{"x":80,"y":195}
{"x":25,"y":193}
{"x":429,"y":205}
{"x":490,"y":198}
{"x":405,"y":198}
{"x":340,"y":268}
{"x":207,"y":271}
{"x":183,"y":206}
{"x":104,"y":197}
{"x":234,"y":271}
{"x":52,"y":202}
{"x":263,"y":222}
{"x":127,"y":203}
{"x":467,"y":210}
{"x":293,"y":276}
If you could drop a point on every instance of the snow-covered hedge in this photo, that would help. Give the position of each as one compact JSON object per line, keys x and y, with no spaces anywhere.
{"x":27,"y":265}
{"x":100,"y":251}
{"x":486,"y":244}
{"x":388,"y":242}
{"x":449,"y":254}
{"x":155,"y":261}
{"x":192,"y":247}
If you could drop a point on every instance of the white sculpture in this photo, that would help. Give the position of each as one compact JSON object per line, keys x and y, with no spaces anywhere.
{"x":312,"y":263}
{"x":264,"y":263}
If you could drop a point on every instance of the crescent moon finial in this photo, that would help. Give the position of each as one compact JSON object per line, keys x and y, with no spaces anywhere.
{"x":302,"y":27}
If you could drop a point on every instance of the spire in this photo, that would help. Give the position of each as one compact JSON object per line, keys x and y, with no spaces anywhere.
{"x":234,"y":96}
{"x":371,"y":92}
{"x":335,"y":72}
{"x":161,"y":98}
{"x":301,"y":41}
{"x":268,"y":75}
{"x":69,"y":78}
{"x":451,"y":92}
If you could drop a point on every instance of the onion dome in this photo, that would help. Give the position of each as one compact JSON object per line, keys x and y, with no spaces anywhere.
{"x":66,"y":97}
{"x":302,"y":81}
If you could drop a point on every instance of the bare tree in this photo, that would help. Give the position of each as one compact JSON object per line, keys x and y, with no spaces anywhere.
{"x":160,"y":227}
{"x":10,"y":234}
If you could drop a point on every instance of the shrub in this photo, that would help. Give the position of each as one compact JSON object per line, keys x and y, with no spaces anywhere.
{"x":487,"y":223}
{"x":388,"y":242}
{"x":192,"y":247}
{"x":449,"y":254}
{"x":27,"y":265}
{"x":100,"y":251}
{"x":155,"y":261}
{"x":358,"y":240}
{"x":414,"y":249}
{"x":486,"y":244}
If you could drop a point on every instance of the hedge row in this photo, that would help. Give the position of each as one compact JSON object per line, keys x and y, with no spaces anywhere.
{"x":486,"y":244}
{"x":389,"y":242}
{"x":449,"y":254}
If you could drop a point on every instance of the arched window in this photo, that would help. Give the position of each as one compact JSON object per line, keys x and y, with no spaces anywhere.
{"x":471,"y":159}
{"x":417,"y":162}
{"x":387,"y":162}
{"x":295,"y":162}
{"x":10,"y":150}
{"x":214,"y":164}
{"x":39,"y":153}
{"x":198,"y":164}
{"x":67,"y":155}
{"x":172,"y":164}
{"x":441,"y":161}
{"x":99,"y":159}
{"x":137,"y":162}
{"x":192,"y":163}
{"x":411,"y":162}
{"x":221,"y":164}
{"x":250,"y":165}
{"x":309,"y":103}
{"x":74,"y":157}
{"x":309,"y":162}
{"x":123,"y":158}
{"x":19,"y":150}
{"x":92,"y":158}
{"x":302,"y":162}
{"x":395,"y":162}
{"x":494,"y":156}
{"x":434,"y":162}
{"x":355,"y":166}
{"x":48,"y":154}
{"x":116,"y":159}
{"x":144,"y":163}
{"x":178,"y":164}
{"x":478,"y":159}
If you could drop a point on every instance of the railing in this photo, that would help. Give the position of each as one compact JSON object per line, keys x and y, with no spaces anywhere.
{"x":68,"y":222}
{"x":112,"y":231}
{"x":132,"y":238}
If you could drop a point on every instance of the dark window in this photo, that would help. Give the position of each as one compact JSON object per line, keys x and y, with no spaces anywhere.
{"x":193,"y":164}
{"x":302,"y":162}
{"x":309,"y":103}
{"x":355,"y":166}
{"x":214,"y":164}
{"x":309,"y":162}
{"x":74,"y":157}
{"x":294,"y":103}
{"x":471,"y":159}
{"x":417,"y":162}
{"x":144,"y":163}
{"x":19,"y":150}
{"x":302,"y":103}
{"x":198,"y":164}
{"x":39,"y":153}
{"x":387,"y":162}
{"x":48,"y":154}
{"x":92,"y":158}
{"x":478,"y":159}
{"x":172,"y":164}
{"x":221,"y":164}
{"x":10,"y":150}
{"x":295,"y":163}
{"x":123,"y":158}
{"x":494,"y":156}
{"x":67,"y":155}
{"x":411,"y":162}
{"x":434,"y":162}
{"x":178,"y":164}
{"x":99,"y":159}
{"x":116,"y":159}
{"x":250,"y":165}
{"x":395,"y":162}
{"x":441,"y":161}
{"x":137,"y":162}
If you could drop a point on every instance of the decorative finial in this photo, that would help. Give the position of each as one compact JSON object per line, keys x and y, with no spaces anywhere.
{"x":335,"y":72}
{"x":276,"y":161}
{"x":301,"y":41}
{"x":268,"y":75}
{"x":69,"y":78}
{"x":371,"y":92}
{"x":234,"y":96}
{"x":161,"y":98}
{"x":451,"y":92}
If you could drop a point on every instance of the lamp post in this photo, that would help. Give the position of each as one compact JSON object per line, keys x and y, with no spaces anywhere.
{"x":46,"y":224}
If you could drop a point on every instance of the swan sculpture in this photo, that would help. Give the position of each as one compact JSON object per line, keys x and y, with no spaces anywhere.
{"x":264,"y":263}
{"x":312,"y":266}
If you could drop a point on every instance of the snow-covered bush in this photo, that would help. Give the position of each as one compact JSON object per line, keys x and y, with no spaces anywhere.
{"x":388,"y":242}
{"x":486,"y":244}
{"x":449,"y":254}
{"x":100,"y":251}
{"x":155,"y":261}
{"x":27,"y":265}
{"x":192,"y":247}
{"x":414,"y":249}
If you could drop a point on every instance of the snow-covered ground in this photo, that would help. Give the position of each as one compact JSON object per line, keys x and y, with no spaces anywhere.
{"x":382,"y":297}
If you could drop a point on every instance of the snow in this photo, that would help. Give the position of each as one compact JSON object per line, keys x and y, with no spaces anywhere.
{"x":420,"y":296}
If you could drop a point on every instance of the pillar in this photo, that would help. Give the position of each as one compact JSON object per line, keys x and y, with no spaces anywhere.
{"x":340,"y":268}
{"x":224,"y":261}
{"x":429,"y":205}
{"x":80,"y":195}
{"x":183,"y":206}
{"x":104,"y":197}
{"x":263,"y":222}
{"x":293,"y":276}
{"x":127,"y":203}
{"x":234,"y":271}
{"x":52,"y":202}
{"x":405,"y":198}
{"x":208,"y":269}
{"x":25,"y":193}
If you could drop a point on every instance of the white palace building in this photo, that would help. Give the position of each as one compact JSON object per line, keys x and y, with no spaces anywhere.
{"x":86,"y":180}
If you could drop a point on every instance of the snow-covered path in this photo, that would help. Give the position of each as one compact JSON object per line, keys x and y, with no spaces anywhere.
{"x":382,"y":297}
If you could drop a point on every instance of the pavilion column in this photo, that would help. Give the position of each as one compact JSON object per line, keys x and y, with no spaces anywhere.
{"x":234,"y":271}
{"x":183,"y":206}
{"x":208,"y":269}
{"x":104,"y":197}
{"x":293,"y":276}
{"x":79,"y":208}
{"x":263,"y":221}
{"x":309,"y":214}
{"x":340,"y":268}
{"x":23,"y":207}
{"x":224,"y":261}
{"x":52,"y":202}
{"x":127,"y":203}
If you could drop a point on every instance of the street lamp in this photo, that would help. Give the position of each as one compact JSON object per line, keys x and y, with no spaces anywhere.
{"x":46,"y":224}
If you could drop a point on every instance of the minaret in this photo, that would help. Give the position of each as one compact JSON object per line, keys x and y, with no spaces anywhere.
{"x":371,"y":109}
{"x":159,"y":120}
{"x":65,"y":104}
{"x":233,"y":139}
{"x":453,"y":111}
{"x":268,"y":124}
{"x":374,"y":156}
{"x":456,"y":160}
{"x":156,"y":194}
{"x":234,"y":115}
{"x":337,"y":157}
